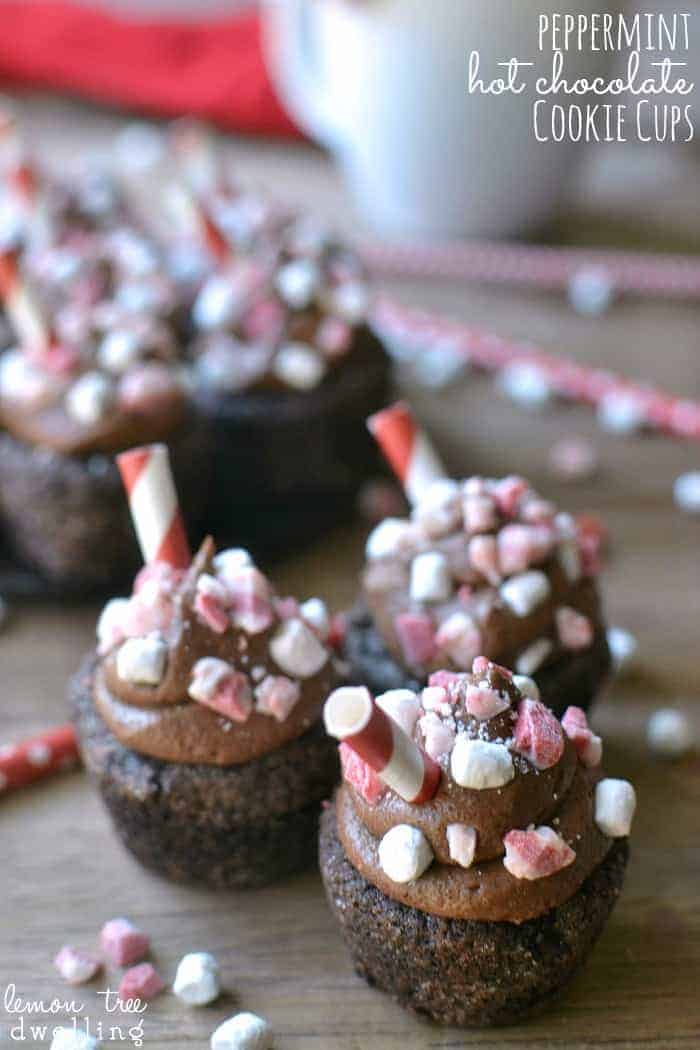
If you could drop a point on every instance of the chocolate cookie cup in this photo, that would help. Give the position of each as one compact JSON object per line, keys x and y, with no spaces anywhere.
{"x":475,"y":849}
{"x":482,"y":566}
{"x":199,"y":716}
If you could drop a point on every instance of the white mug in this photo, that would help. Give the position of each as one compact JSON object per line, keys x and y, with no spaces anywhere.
{"x":383,"y":85}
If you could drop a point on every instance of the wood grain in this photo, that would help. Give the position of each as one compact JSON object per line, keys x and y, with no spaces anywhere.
{"x":64,"y":874}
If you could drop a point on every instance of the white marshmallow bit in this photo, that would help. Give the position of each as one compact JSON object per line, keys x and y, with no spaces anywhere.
{"x":431,"y":580}
{"x":669,"y":733}
{"x":299,"y":366}
{"x":623,"y":649}
{"x":197,"y":979}
{"x":391,"y":537}
{"x":526,"y":385}
{"x":314,"y":612}
{"x":90,"y":398}
{"x":570,"y":560}
{"x":404,"y":853}
{"x":207,"y":674}
{"x":527,"y":686}
{"x":532,"y":658}
{"x":461,"y":842}
{"x":686,"y":492}
{"x":73,"y":1039}
{"x":350,"y":301}
{"x":440,"y":508}
{"x":219,"y":303}
{"x":297,"y":283}
{"x":523,"y":593}
{"x":590,"y":290}
{"x":242,"y":1032}
{"x":118,"y":350}
{"x":615,"y":803}
{"x":620,"y":413}
{"x":296,"y":649}
{"x":230,"y":561}
{"x":141,"y":661}
{"x":20,"y":380}
{"x":480,"y":764}
{"x":109,"y":625}
{"x":401,"y":705}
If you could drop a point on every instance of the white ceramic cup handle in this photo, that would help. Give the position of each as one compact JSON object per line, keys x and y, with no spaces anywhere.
{"x":295,"y":69}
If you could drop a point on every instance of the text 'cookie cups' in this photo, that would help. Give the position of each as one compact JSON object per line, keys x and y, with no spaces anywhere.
{"x":477,"y":900}
{"x":481,"y":566}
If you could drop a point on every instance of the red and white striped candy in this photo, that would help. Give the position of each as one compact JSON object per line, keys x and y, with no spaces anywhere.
{"x":21,"y":305}
{"x":350,"y":715}
{"x":536,"y":854}
{"x":538,"y":735}
{"x":154,"y":507}
{"x":207,"y":230}
{"x":407,"y":448}
{"x":37,"y":758}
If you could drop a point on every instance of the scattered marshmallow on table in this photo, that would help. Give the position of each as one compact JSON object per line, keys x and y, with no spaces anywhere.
{"x":623,"y":649}
{"x":141,"y":661}
{"x":243,"y":1031}
{"x":615,"y":803}
{"x":525,"y":384}
{"x":140,"y":982}
{"x":686,"y":492}
{"x":431,"y":580}
{"x":197,"y":979}
{"x":480,"y":764}
{"x":73,"y":1039}
{"x":669,"y":733}
{"x":123,"y":943}
{"x":76,"y":966}
{"x":591,"y":290}
{"x":404,"y":853}
{"x":620,"y":413}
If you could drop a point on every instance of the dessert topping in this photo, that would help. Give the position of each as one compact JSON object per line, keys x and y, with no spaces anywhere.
{"x":242,"y":1032}
{"x":538,"y":734}
{"x":525,"y":592}
{"x":141,"y":661}
{"x":140,"y":982}
{"x":461,"y":842}
{"x":404,"y":853}
{"x":480,"y":764}
{"x":615,"y":803}
{"x":589,"y":747}
{"x":575,"y":630}
{"x":220,"y":686}
{"x":76,"y":966}
{"x":536,"y":853}
{"x":123,"y":943}
{"x":197,"y":979}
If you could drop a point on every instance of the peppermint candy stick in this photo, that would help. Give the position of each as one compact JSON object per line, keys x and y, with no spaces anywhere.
{"x":350,"y":715}
{"x":39,"y":757}
{"x":154,"y":505}
{"x":407,"y":448}
{"x":34,"y":331}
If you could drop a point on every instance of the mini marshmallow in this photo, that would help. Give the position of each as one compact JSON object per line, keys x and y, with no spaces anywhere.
{"x":228,"y":562}
{"x":403,"y":706}
{"x":574,"y":629}
{"x":461,"y":843}
{"x":218,"y":304}
{"x":526,"y":686}
{"x":416,"y":636}
{"x":243,"y":1031}
{"x":589,"y":747}
{"x":123,"y":943}
{"x":220,"y":686}
{"x":525,"y":384}
{"x":118,"y":350}
{"x":686,"y":492}
{"x":90,"y":399}
{"x":573,"y":459}
{"x":569,"y":557}
{"x":460,"y":637}
{"x":197,"y":979}
{"x":620,"y":413}
{"x":532,"y":658}
{"x":536,"y":853}
{"x":110,"y":624}
{"x":480,"y":764}
{"x":297,"y":283}
{"x":296,"y":649}
{"x":523,"y":593}
{"x":73,"y":1039}
{"x":299,"y":366}
{"x":76,"y":966}
{"x":207,"y":675}
{"x":438,"y":736}
{"x":141,"y":661}
{"x":431,"y":580}
{"x":483,"y":556}
{"x":141,"y":982}
{"x":20,"y":380}
{"x":442,"y":364}
{"x":439,"y":510}
{"x":669,"y":733}
{"x":391,"y":537}
{"x":404,"y":853}
{"x":623,"y":649}
{"x":314,"y":612}
{"x":350,"y":300}
{"x":591,"y":290}
{"x":480,"y":513}
{"x":277,"y":695}
{"x":615,"y":803}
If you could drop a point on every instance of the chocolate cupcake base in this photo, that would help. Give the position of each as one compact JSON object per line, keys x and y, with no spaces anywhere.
{"x":288,"y":465}
{"x":225,"y":827}
{"x":573,"y":680}
{"x":65,"y":518}
{"x":462,"y":972}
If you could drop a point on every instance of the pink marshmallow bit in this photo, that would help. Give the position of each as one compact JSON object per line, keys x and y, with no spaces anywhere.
{"x":232,"y":697}
{"x":140,"y":982}
{"x":480,"y":513}
{"x":333,"y":337}
{"x":589,"y":746}
{"x":538,"y":734}
{"x":276,"y":695}
{"x":537,"y":511}
{"x":521,"y":546}
{"x":287,"y":608}
{"x":480,"y":665}
{"x":536,"y":854}
{"x":483,"y":556}
{"x":360,"y":775}
{"x":575,"y":630}
{"x":123,"y":943}
{"x":483,"y":702}
{"x":447,"y":680}
{"x":508,"y":493}
{"x":416,"y":636}
{"x":76,"y":966}
{"x":263,"y":322}
{"x":211,"y":612}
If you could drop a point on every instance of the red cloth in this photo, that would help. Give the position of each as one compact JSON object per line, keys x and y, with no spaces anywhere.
{"x":213,"y":70}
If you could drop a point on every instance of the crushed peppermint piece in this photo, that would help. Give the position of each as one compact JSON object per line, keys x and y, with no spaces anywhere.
{"x":615,"y":803}
{"x":438,"y":736}
{"x":480,"y":513}
{"x":277,"y":695}
{"x":416,"y":636}
{"x":480,"y":764}
{"x":574,"y":629}
{"x":538,"y":734}
{"x":483,"y":702}
{"x":439,"y":509}
{"x":76,"y":966}
{"x":459,"y":637}
{"x":360,"y":775}
{"x":669,"y":733}
{"x":536,"y":854}
{"x":483,"y":556}
{"x":404,"y":853}
{"x":140,"y":982}
{"x":589,"y":747}
{"x":218,"y":685}
{"x":123,"y":943}
{"x":243,"y":1031}
{"x":197,"y":979}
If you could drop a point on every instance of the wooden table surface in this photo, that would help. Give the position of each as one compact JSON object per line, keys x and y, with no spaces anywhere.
{"x":63,"y":872}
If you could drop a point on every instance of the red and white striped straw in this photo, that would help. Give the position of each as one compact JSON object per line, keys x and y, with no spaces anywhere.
{"x":37,"y":758}
{"x":351,"y":715}
{"x":659,"y":410}
{"x":154,"y":506}
{"x":407,"y":448}
{"x":541,"y":266}
{"x":23,"y":309}
{"x":23,"y":179}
